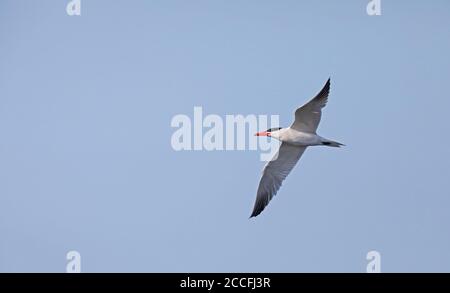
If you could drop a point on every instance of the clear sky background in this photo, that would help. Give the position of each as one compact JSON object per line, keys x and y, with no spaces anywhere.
{"x":86,"y":162}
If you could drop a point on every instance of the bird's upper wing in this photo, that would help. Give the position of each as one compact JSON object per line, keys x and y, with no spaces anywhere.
{"x":274,"y":173}
{"x":307,"y":117}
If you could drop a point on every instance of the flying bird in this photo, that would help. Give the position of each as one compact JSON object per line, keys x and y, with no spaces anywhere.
{"x":294,"y":141}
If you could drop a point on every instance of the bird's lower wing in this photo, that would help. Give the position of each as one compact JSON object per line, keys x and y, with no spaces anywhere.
{"x":274,"y":173}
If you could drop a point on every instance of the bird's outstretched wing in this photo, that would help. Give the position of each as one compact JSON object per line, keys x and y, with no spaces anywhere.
{"x":307,"y":117}
{"x":274,"y":173}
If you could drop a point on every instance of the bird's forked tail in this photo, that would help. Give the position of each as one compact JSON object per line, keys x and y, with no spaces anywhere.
{"x":332,"y":143}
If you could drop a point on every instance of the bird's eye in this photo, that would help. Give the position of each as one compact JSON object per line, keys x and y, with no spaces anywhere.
{"x":273,"y":129}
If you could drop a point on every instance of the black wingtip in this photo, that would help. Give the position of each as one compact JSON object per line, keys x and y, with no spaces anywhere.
{"x":256,"y":212}
{"x":325,"y":91}
{"x":327,"y":84}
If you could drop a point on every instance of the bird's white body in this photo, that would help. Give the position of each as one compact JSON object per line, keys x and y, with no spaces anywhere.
{"x":298,"y":138}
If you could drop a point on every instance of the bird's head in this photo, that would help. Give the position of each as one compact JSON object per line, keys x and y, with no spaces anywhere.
{"x":268,"y":132}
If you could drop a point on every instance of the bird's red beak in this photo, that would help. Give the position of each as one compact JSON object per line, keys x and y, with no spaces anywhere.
{"x":263,"y":133}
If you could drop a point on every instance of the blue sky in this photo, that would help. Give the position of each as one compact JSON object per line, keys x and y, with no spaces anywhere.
{"x":86,"y":162}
